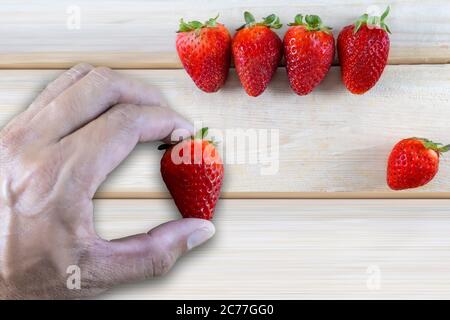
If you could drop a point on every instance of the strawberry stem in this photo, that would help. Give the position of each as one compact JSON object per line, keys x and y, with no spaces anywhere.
{"x":374,"y":21}
{"x":197,"y":25}
{"x":313,"y":23}
{"x":271,"y":21}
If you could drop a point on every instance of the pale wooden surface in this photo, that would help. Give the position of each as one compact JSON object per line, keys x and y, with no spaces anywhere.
{"x":330,"y":141}
{"x":141,"y":33}
{"x":333,"y":144}
{"x":287,"y":249}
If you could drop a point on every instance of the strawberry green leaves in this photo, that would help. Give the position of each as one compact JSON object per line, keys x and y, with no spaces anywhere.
{"x":271,"y":21}
{"x":298,"y":21}
{"x":373,"y":21}
{"x":212,"y":22}
{"x":361,"y":20}
{"x":382,"y":24}
{"x":438,"y":147}
{"x":189,"y":26}
{"x":312,"y":23}
{"x":249,"y":18}
{"x":197,"y":25}
{"x":201,"y":134}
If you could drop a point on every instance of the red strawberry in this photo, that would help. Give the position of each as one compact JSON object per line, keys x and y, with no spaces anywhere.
{"x":413,"y":162}
{"x":257,"y":51}
{"x":205,"y":51}
{"x":363,"y":50}
{"x":309,"y":52}
{"x":193,"y":172}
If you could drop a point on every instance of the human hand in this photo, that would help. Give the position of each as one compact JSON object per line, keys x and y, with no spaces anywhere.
{"x":53,"y":157}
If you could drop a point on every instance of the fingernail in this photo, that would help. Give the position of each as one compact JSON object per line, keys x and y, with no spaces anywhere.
{"x":200,"y":236}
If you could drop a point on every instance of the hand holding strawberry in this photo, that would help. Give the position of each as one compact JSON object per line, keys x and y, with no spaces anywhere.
{"x":363,"y":50}
{"x":413,"y":163}
{"x":205,"y":51}
{"x":193,"y":172}
{"x":257,"y":51}
{"x":309,"y":52}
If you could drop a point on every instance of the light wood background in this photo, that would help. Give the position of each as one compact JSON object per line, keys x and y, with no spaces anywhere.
{"x":141,"y":33}
{"x":295,"y":249}
{"x":271,"y":242}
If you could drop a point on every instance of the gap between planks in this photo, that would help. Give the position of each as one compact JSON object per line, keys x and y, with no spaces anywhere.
{"x":284,"y":195}
{"x":160,"y":66}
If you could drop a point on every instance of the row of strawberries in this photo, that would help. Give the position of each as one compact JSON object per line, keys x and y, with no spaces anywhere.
{"x":205,"y":50}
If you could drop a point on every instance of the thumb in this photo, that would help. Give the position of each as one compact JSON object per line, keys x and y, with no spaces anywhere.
{"x":152,"y":254}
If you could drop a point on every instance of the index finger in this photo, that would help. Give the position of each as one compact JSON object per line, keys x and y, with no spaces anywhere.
{"x":96,"y":149}
{"x":85,"y":100}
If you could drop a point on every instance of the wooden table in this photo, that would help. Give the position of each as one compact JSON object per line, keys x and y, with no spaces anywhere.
{"x":325,"y":226}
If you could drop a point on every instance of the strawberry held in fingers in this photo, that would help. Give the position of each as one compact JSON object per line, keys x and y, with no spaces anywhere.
{"x":413,"y":163}
{"x":257,"y":51}
{"x":193,"y":172}
{"x":309,"y":52}
{"x":363,"y":50}
{"x":205,"y":51}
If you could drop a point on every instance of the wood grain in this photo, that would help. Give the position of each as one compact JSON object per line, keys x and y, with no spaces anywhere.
{"x":331,"y":143}
{"x":295,"y":249}
{"x":141,"y":33}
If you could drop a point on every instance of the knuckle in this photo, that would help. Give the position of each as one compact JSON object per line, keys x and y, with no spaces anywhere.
{"x":82,"y":67}
{"x":104,"y":73}
{"x":73,"y":74}
{"x":126,"y":115}
{"x":106,"y":79}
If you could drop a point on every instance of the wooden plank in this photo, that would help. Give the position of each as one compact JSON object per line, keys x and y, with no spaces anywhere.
{"x":295,"y":249}
{"x":141,"y":33}
{"x":331,"y":143}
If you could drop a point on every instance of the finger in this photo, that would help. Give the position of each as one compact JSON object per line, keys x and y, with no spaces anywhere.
{"x":153,"y":254}
{"x":88,"y":98}
{"x":55,"y":88}
{"x":98,"y":148}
